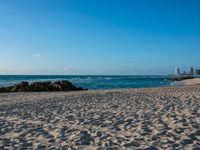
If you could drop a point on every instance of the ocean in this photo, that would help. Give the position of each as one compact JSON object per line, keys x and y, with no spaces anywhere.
{"x":92,"y":82}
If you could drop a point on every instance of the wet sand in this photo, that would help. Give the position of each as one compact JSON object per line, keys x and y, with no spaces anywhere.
{"x":152,"y":118}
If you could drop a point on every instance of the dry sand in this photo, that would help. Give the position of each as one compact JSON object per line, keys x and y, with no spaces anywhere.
{"x":195,"y":81}
{"x":153,"y":118}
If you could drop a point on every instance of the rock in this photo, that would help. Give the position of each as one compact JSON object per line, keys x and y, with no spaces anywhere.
{"x":41,"y":87}
{"x":3,"y":89}
{"x":55,"y":87}
{"x":66,"y":85}
{"x":21,"y":87}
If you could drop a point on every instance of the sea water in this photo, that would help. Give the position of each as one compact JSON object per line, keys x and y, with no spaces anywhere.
{"x":92,"y":82}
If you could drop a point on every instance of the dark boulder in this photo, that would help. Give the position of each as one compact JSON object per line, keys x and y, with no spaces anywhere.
{"x":40,"y":86}
{"x":21,"y":87}
{"x":66,"y":85}
{"x":9,"y":88}
{"x":3,"y":89}
{"x":55,"y":87}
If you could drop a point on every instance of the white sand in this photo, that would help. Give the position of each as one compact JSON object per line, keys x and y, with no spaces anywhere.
{"x":152,"y":118}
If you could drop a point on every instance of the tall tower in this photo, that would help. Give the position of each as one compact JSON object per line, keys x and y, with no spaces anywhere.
{"x":191,"y":70}
{"x":177,"y":71}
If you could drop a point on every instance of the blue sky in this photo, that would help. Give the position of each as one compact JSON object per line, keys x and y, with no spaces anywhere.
{"x":98,"y":36}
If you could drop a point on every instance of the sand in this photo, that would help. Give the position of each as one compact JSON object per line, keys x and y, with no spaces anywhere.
{"x":195,"y":81}
{"x":152,"y":118}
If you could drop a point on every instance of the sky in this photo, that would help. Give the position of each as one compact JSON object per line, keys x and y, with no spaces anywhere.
{"x":99,"y":37}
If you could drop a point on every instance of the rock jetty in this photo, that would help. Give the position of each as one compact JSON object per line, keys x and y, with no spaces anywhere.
{"x":181,"y":78}
{"x":42,"y":87}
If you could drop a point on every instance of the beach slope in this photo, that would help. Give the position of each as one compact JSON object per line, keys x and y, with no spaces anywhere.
{"x":195,"y":81}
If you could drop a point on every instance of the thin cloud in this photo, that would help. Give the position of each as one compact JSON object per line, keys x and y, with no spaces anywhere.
{"x":36,"y":55}
{"x":2,"y":69}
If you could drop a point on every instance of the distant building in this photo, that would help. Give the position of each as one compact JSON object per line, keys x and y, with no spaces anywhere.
{"x":198,"y":72}
{"x":177,"y":71}
{"x":191,"y":71}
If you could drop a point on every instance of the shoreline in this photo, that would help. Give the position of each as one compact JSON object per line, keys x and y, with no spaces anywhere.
{"x":186,"y":82}
{"x":142,"y":118}
{"x":195,"y":81}
{"x":95,"y":82}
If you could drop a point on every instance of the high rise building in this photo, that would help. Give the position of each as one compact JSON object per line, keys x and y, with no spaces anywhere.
{"x":191,"y":71}
{"x":177,"y":71}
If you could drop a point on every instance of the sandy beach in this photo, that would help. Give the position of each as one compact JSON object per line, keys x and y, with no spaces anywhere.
{"x":195,"y":81}
{"x":99,"y":75}
{"x":151,"y":118}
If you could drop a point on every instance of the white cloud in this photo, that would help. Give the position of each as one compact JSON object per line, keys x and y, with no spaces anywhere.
{"x":36,"y":55}
{"x":54,"y":70}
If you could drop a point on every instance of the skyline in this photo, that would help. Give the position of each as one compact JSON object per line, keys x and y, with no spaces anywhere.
{"x":189,"y":71}
{"x":98,"y":37}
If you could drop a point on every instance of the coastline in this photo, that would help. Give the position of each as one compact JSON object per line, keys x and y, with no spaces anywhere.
{"x":195,"y":81}
{"x":157,"y":118}
{"x":93,"y":82}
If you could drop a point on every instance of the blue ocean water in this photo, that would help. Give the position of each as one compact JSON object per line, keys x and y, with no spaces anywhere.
{"x":92,"y":82}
